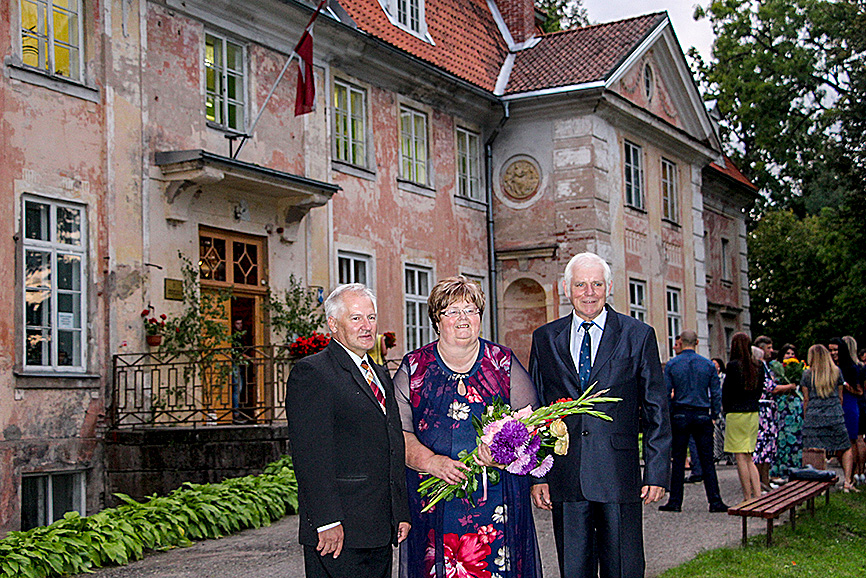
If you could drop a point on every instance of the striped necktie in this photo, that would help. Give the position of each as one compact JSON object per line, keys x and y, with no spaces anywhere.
{"x":371,"y":381}
{"x":584,"y":360}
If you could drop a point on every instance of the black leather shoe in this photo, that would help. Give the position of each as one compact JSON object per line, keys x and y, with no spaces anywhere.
{"x":693,"y":479}
{"x":720,"y":507}
{"x":670,"y":508}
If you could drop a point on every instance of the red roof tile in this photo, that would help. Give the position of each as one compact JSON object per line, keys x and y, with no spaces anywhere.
{"x":731,"y":170}
{"x":579,"y":55}
{"x":468,"y":43}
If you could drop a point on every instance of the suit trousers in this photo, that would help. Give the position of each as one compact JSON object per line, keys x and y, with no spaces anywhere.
{"x":598,"y":539}
{"x":351,"y":563}
{"x":695,"y":423}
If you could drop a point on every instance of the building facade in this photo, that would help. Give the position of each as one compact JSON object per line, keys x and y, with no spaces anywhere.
{"x":446,"y":140}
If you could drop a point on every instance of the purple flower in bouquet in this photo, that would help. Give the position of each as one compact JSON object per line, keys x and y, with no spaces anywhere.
{"x":526,"y":457}
{"x":508,"y":441}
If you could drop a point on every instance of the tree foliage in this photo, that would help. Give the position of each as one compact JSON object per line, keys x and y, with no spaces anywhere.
{"x":562,"y":14}
{"x":784,"y":75}
{"x":297,"y":314}
{"x":807,"y":278}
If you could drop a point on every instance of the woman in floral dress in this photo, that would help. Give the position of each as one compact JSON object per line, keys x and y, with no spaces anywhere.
{"x":789,"y":419}
{"x":768,"y":431}
{"x":440,"y":388}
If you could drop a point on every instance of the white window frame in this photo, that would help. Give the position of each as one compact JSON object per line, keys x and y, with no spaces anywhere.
{"x":673,"y":301}
{"x":634,"y":183}
{"x":224,"y":72}
{"x":45,"y":509}
{"x":410,"y":141}
{"x":47,"y":44}
{"x":354,"y":259}
{"x":350,"y":145}
{"x":482,"y":282}
{"x":637,"y":299}
{"x":52,"y":248}
{"x":400,"y":13}
{"x":469,"y":185}
{"x":419,"y":330}
{"x":670,"y":191}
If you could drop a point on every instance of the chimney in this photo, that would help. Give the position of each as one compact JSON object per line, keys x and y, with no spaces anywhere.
{"x":519,"y":16}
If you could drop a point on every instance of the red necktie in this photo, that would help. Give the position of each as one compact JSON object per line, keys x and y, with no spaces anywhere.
{"x":371,"y":381}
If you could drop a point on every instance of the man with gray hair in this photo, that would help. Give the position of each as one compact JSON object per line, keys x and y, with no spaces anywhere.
{"x":597,"y":490}
{"x":347,"y":447}
{"x":696,"y":402}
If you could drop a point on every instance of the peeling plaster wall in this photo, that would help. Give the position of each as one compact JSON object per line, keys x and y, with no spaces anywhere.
{"x":580,"y":207}
{"x":53,"y":146}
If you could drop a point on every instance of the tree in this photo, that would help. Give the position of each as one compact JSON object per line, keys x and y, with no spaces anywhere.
{"x":782,"y":73}
{"x":562,"y":14}
{"x":807,"y":279}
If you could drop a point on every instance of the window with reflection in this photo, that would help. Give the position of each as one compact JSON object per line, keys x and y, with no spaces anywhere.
{"x":224,"y":78}
{"x":417,"y":289}
{"x":51,"y":36}
{"x":55,"y":266}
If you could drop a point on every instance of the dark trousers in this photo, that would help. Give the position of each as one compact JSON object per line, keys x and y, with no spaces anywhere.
{"x":697,"y":423}
{"x":595,"y":539}
{"x":352,"y":563}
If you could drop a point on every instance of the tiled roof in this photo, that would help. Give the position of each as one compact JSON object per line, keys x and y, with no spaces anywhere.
{"x":468,"y":43}
{"x":580,"y":55}
{"x":731,"y":170}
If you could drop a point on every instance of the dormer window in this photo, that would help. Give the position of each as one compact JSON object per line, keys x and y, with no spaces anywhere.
{"x":408,"y":15}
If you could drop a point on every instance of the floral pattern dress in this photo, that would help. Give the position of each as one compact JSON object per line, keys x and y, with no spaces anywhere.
{"x":789,"y":423}
{"x":492,"y":535}
{"x":765,"y":449}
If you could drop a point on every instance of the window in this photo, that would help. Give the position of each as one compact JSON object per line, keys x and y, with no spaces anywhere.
{"x":45,"y":498}
{"x":227,"y":259}
{"x":224,"y":73}
{"x":409,"y":14}
{"x":417,"y":288}
{"x":726,"y":272}
{"x":633,"y":175}
{"x":675,"y":320}
{"x":350,"y":124}
{"x":413,"y":146}
{"x":51,"y":36}
{"x":637,"y":299}
{"x":670,"y":193}
{"x":55,"y":264}
{"x":353,"y":267}
{"x":648,"y":84}
{"x":468,"y":163}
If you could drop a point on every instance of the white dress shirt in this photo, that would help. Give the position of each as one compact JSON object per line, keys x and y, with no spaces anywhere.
{"x":595,"y":333}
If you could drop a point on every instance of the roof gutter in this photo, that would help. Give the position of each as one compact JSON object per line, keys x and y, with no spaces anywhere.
{"x":491,"y":246}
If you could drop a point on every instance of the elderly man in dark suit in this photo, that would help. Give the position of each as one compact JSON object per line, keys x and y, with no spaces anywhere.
{"x":347,"y":447}
{"x":596,"y":490}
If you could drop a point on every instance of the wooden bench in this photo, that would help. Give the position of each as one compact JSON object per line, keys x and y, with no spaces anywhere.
{"x":776,"y":502}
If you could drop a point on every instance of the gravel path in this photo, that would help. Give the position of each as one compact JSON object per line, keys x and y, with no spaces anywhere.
{"x":670,"y":539}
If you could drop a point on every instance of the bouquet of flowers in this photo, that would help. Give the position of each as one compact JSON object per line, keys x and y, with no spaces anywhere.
{"x":303,"y":346}
{"x":522,"y":441}
{"x":789,"y":371}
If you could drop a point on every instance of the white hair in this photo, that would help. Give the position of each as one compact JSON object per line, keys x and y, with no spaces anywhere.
{"x":334,"y":303}
{"x":583,"y":259}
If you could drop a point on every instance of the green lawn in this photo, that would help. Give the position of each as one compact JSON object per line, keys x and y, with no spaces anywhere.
{"x":830,"y":545}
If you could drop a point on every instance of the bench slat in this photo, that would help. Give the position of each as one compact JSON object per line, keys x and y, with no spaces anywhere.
{"x":776,"y":502}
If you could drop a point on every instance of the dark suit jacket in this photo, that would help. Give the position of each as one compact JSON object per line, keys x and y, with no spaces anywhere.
{"x":627,"y":363}
{"x":349,"y":457}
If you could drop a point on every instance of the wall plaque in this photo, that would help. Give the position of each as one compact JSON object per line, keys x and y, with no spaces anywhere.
{"x":173,"y":290}
{"x":521,"y":179}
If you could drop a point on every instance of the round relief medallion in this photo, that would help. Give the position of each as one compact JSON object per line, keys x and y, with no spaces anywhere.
{"x":521,"y":179}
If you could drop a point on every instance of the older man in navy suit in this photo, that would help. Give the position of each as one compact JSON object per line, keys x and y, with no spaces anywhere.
{"x":596,"y":490}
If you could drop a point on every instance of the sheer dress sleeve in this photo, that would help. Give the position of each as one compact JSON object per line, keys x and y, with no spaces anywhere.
{"x":522,"y":389}
{"x":401,"y":391}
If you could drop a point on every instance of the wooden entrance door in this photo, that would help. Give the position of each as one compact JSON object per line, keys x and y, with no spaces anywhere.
{"x":235,"y":265}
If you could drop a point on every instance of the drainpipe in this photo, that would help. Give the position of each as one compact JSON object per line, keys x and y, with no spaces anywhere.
{"x":491,"y":253}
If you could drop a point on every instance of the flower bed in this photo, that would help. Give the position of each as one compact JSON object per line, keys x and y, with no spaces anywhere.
{"x":119,"y":535}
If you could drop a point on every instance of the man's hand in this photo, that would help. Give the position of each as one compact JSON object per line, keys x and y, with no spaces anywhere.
{"x":541,"y":496}
{"x":331,"y":540}
{"x":403,"y":531}
{"x":444,"y":468}
{"x":650,"y":494}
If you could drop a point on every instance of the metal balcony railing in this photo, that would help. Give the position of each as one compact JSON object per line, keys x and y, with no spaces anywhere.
{"x":194,"y":388}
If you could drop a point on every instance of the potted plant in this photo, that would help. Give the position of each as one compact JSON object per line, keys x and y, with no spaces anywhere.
{"x":153,"y":326}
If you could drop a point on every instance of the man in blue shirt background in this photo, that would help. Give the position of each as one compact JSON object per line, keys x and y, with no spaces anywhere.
{"x":696,"y":401}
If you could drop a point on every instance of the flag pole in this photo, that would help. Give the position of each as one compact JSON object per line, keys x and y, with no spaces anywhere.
{"x":279,"y":78}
